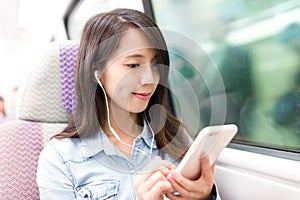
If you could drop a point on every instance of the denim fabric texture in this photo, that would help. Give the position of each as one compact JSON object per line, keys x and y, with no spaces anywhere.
{"x":93,"y":168}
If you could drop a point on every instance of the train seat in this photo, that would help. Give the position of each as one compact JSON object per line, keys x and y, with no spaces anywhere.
{"x":45,"y":105}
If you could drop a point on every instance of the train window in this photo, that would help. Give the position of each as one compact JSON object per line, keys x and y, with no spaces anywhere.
{"x":83,"y":10}
{"x":254,"y":47}
{"x":81,"y":13}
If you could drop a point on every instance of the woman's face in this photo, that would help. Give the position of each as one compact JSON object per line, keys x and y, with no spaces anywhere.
{"x":131,"y":74}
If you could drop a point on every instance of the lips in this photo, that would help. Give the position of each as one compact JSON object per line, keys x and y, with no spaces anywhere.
{"x":142,"y":96}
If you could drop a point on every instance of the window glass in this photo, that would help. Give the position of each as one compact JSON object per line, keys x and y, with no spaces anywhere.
{"x":83,"y":11}
{"x":254,"y":47}
{"x":86,"y":9}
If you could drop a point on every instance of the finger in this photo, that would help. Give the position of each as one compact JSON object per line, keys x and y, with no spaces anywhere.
{"x":142,"y":177}
{"x":193,"y":189}
{"x":181,"y":184}
{"x":157,"y":191}
{"x":165,"y":171}
{"x":151,"y":182}
{"x":170,"y":167}
{"x":189,"y":195}
{"x":207,"y":172}
{"x":200,"y":190}
{"x":171,"y":195}
{"x":213,"y":166}
{"x":161,"y":187}
{"x":180,"y":180}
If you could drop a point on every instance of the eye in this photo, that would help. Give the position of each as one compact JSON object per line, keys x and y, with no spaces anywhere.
{"x":133,"y":65}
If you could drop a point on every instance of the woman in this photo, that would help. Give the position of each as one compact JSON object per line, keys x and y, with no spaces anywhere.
{"x":2,"y":109}
{"x":120,"y":122}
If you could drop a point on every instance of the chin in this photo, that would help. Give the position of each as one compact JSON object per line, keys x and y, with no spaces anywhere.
{"x":138,"y":109}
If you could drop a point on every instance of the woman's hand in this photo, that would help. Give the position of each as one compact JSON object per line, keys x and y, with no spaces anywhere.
{"x":153,"y":185}
{"x":193,"y":189}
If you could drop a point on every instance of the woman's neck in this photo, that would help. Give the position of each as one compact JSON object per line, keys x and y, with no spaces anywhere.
{"x":128,"y":126}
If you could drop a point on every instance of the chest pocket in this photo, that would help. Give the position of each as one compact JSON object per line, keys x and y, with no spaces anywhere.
{"x":101,"y":190}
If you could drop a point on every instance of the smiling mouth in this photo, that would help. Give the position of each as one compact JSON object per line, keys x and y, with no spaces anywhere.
{"x":142,"y":96}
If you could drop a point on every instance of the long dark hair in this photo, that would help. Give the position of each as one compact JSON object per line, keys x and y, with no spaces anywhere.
{"x":100,"y":39}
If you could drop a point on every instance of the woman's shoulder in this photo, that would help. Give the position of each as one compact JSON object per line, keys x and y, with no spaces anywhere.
{"x":67,"y":148}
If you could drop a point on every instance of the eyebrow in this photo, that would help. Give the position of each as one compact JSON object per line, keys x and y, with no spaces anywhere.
{"x":136,"y":55}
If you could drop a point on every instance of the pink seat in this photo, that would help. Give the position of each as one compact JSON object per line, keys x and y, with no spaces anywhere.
{"x":46,"y":103}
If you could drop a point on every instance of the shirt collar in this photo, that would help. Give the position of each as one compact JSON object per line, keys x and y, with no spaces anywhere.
{"x":99,"y":142}
{"x":147,"y":135}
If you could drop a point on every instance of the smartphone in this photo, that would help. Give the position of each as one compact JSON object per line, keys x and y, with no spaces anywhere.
{"x":209,"y":142}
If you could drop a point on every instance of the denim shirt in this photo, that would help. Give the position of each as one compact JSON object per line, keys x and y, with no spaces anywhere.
{"x":92,"y":168}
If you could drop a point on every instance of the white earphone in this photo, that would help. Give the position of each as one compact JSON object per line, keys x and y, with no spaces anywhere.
{"x":114,"y":132}
{"x":106,"y":102}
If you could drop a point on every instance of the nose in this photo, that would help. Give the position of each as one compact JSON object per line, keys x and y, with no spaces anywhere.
{"x":149,"y":74}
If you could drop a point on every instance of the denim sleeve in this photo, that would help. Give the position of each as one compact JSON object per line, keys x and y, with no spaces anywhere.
{"x":53,"y":177}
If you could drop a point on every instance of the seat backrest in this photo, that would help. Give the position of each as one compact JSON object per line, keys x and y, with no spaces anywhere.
{"x":45,"y":105}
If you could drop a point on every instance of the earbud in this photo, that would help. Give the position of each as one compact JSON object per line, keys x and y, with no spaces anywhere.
{"x":96,"y":76}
